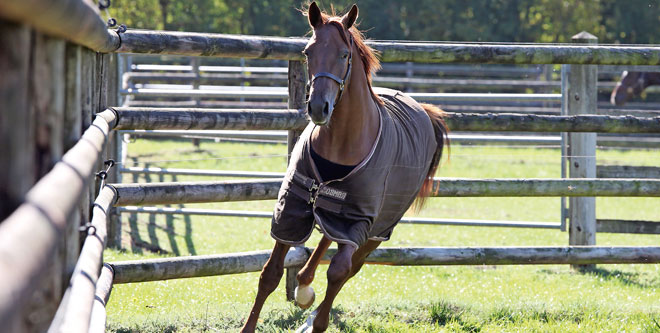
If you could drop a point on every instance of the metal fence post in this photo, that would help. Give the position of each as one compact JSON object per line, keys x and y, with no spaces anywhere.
{"x":579,"y":96}
{"x":296,"y":101}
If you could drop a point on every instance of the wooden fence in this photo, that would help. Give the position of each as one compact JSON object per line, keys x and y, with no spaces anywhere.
{"x":53,"y":81}
{"x":211,"y":265}
{"x":65,"y":84}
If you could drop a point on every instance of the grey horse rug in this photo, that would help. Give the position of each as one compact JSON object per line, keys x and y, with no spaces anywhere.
{"x":369,"y":201}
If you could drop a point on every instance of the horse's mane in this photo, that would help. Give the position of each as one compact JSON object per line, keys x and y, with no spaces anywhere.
{"x":368,"y":55}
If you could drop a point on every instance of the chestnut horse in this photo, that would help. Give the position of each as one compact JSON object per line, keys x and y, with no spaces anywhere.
{"x":631,"y":85}
{"x":354,"y":171}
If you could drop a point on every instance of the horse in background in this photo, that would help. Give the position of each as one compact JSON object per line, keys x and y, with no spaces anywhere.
{"x":632,"y":84}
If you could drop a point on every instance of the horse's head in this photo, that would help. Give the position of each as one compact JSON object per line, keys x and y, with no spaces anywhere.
{"x":631,"y":84}
{"x":329,"y":56}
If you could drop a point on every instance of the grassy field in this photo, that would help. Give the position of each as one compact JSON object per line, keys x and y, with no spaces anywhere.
{"x":393,"y":299}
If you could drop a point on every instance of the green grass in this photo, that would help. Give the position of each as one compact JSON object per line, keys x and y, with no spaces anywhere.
{"x":393,"y":299}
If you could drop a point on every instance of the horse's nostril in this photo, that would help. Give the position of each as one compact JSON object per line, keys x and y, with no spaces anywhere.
{"x":325,"y":108}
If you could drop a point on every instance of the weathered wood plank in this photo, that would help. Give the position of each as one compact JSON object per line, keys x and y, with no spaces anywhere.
{"x":542,"y":187}
{"x":103,"y":290}
{"x":511,"y":122}
{"x":240,"y":46}
{"x":74,"y":314}
{"x":29,"y":236}
{"x":82,"y":25}
{"x":579,"y":96}
{"x":220,"y":191}
{"x":46,"y":105}
{"x":71,"y":134}
{"x":164,"y":193}
{"x":296,"y":83}
{"x":197,"y":266}
{"x":515,"y":255}
{"x":17,"y":148}
{"x":627,"y":226}
{"x":87,"y":93}
{"x":296,"y":119}
{"x":204,"y":44}
{"x":627,"y":171}
{"x":235,"y":263}
{"x":191,"y":118}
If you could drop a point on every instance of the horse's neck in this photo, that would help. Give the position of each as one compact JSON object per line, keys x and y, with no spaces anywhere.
{"x":353,"y":128}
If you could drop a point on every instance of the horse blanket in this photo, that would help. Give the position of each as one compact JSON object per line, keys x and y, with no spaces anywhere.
{"x":369,"y":201}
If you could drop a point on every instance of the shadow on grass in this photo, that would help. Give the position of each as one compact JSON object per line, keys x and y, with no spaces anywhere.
{"x":294,"y":317}
{"x":133,"y":231}
{"x":627,"y":278}
{"x":290,"y":319}
{"x":138,"y":245}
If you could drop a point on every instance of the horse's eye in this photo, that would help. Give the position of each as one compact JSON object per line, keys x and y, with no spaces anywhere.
{"x":344,"y":55}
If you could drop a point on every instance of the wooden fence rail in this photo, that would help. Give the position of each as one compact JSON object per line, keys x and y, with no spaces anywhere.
{"x":103,"y":289}
{"x":163,"y":193}
{"x":197,"y":266}
{"x":191,"y":118}
{"x":255,"y":119}
{"x":74,"y":20}
{"x":75,"y":310}
{"x":241,"y":46}
{"x":545,"y":123}
{"x":221,"y":191}
{"x":43,"y":218}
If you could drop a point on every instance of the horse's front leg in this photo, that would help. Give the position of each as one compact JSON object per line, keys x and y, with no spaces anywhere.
{"x":305,"y":293}
{"x":268,"y":281}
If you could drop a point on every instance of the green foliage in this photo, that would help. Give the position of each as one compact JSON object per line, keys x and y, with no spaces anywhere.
{"x":633,"y":21}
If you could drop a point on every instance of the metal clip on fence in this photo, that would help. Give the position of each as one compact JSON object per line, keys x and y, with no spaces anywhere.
{"x":112,"y":22}
{"x":103,"y":174}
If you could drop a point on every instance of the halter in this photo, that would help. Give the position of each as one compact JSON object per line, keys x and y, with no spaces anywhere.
{"x":341,"y":82}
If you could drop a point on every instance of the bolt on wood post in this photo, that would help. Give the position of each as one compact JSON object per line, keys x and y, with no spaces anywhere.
{"x":296,"y":101}
{"x":579,"y":96}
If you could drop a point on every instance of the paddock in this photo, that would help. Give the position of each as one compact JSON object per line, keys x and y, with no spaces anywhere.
{"x":44,"y":226}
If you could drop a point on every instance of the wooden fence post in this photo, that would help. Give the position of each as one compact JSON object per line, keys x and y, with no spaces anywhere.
{"x":17,"y":148}
{"x":114,"y":144}
{"x":296,"y":101}
{"x":579,"y":96}
{"x":71,"y":135}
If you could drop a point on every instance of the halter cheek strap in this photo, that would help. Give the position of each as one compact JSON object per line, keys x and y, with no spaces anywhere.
{"x":341,"y":82}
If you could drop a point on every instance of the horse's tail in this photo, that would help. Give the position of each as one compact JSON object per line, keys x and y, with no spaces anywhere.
{"x":441,"y":137}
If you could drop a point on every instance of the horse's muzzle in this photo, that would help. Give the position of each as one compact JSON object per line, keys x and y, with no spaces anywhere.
{"x":319,"y":111}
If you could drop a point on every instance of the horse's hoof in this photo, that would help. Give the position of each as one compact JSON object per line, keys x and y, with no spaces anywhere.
{"x":304,"y":296}
{"x":308,"y":326}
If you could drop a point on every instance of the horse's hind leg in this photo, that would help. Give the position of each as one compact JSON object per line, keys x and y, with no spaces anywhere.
{"x":268,"y":281}
{"x":338,"y":271}
{"x":338,"y":275}
{"x":305,"y":293}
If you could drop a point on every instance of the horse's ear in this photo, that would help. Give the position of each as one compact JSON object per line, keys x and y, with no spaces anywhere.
{"x":314,"y":15}
{"x":350,"y":17}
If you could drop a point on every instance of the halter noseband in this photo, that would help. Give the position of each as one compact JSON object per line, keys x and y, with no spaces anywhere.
{"x":341,"y":82}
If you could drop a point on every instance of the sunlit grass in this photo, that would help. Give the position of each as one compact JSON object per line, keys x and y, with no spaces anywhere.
{"x":400,"y":299}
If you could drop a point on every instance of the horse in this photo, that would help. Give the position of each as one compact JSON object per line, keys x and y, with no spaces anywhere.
{"x":366,"y":156}
{"x":631,"y":85}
